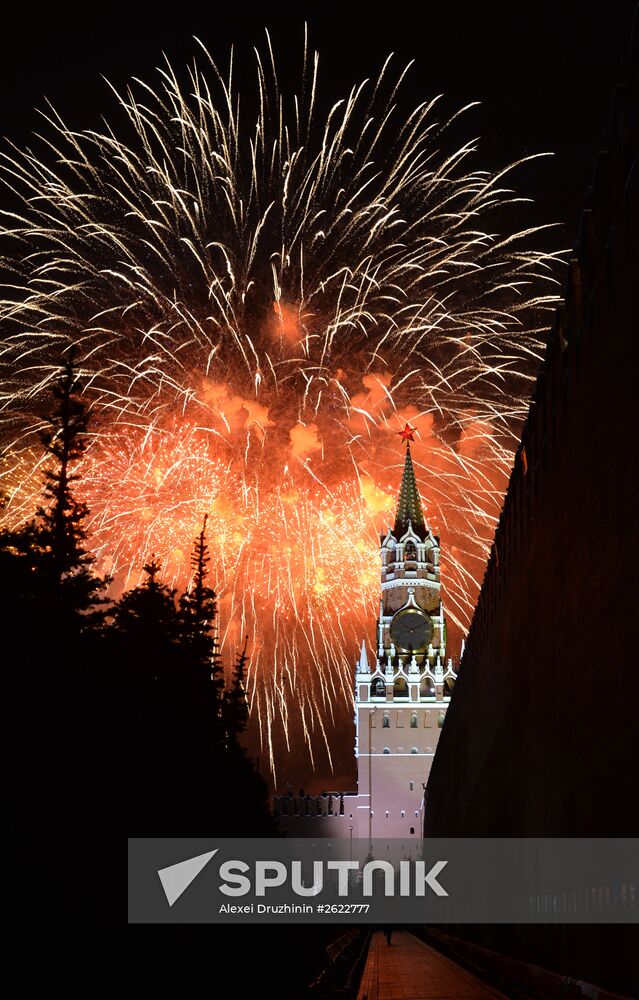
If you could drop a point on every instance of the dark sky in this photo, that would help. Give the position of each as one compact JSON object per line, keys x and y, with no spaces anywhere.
{"x":544,"y":72}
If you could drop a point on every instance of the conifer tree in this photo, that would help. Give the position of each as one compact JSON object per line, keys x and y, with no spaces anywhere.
{"x":62,"y":515}
{"x":55,"y":601}
{"x":146,"y":674}
{"x":236,"y":704}
{"x":146,"y":621}
{"x":52,"y":579}
{"x":198,"y":618}
{"x":245,"y":792}
{"x":60,"y":522}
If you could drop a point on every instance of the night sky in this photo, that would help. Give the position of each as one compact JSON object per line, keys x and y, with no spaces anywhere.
{"x":544,"y":73}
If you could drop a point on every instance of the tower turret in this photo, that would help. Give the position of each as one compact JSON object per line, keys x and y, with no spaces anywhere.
{"x":401,"y":699}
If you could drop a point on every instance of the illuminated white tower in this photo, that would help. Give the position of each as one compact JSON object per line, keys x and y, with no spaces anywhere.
{"x":402,"y":692}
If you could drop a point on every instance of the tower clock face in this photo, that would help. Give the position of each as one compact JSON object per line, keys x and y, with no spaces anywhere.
{"x":411,"y":629}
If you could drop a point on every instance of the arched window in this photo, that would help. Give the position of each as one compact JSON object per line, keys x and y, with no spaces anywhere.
{"x":414,"y":750}
{"x":378,"y":688}
{"x":413,"y":720}
{"x":400,"y":688}
{"x":410,"y":552}
{"x":412,"y":829}
{"x":386,"y":750}
{"x":427,"y":688}
{"x":428,"y":719}
{"x":386,"y":721}
{"x":440,"y":720}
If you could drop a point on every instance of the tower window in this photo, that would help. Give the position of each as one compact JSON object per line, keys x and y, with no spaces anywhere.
{"x":427,"y":688}
{"x":386,"y":721}
{"x":410,"y":552}
{"x":403,"y":813}
{"x":386,"y":750}
{"x":378,"y":688}
{"x":414,"y":750}
{"x":412,"y":787}
{"x":413,"y":721}
{"x":400,"y":688}
{"x":412,"y":829}
{"x":440,"y":720}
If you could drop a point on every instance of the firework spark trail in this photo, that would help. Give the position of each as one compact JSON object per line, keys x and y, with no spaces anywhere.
{"x":255,"y":308}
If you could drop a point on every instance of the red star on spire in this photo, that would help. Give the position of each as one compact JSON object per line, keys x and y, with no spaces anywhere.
{"x":407,"y":433}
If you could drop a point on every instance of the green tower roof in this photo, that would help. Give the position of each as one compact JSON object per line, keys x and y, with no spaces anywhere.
{"x":409,"y":507}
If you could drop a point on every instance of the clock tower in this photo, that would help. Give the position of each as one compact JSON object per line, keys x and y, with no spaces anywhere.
{"x":403,"y":685}
{"x":403,"y":691}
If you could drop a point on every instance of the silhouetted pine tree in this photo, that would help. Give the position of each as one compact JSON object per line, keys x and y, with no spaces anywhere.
{"x":53,"y":591}
{"x":77,"y":592}
{"x":145,"y":672}
{"x":54,"y":602}
{"x":65,"y":440}
{"x":198,"y":619}
{"x":236,"y":705}
{"x":244,"y":790}
{"x":147,"y":629}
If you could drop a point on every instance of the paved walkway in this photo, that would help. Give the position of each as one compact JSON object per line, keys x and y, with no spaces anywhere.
{"x":411,"y":970}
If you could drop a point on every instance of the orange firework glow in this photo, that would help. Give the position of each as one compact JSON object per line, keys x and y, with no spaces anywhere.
{"x":294,"y":516}
{"x":256,"y":311}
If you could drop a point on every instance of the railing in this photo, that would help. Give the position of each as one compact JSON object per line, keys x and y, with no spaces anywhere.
{"x":312,"y":806}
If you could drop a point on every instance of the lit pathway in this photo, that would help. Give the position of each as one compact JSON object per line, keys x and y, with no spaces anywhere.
{"x":411,"y":970}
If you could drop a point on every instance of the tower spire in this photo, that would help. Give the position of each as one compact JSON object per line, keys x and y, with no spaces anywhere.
{"x":363,"y":659}
{"x":409,"y":507}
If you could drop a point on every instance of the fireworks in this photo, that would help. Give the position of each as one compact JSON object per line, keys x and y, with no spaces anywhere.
{"x":256,"y":306}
